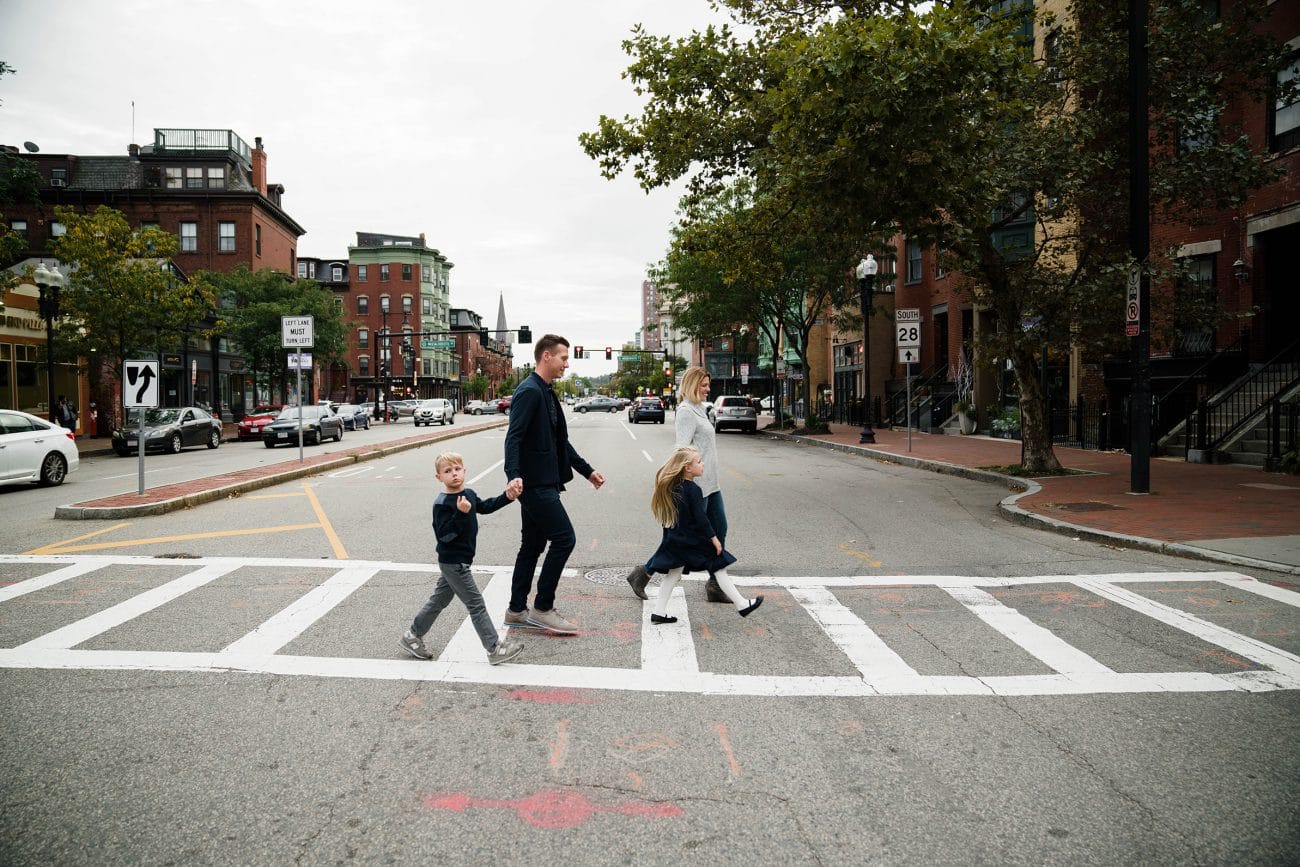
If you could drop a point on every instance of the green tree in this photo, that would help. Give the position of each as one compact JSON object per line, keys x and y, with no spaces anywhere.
{"x":19,"y":185}
{"x":123,"y":296}
{"x":252,"y":303}
{"x":865,"y":119}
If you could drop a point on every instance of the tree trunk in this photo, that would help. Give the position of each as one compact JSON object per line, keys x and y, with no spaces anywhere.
{"x":1035,"y":425}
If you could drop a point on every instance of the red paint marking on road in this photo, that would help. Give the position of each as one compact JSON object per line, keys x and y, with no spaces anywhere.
{"x":411,"y":702}
{"x":890,"y":596}
{"x":645,"y":742}
{"x":635,"y":778}
{"x":550,"y":696}
{"x":756,"y":631}
{"x":554,"y":809}
{"x":705,"y":632}
{"x":1226,"y":657}
{"x":851,"y":727}
{"x":559,"y":746}
{"x":725,"y":739}
{"x":1273,"y":633}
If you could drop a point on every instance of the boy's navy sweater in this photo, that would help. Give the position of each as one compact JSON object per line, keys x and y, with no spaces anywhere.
{"x":457,"y":531}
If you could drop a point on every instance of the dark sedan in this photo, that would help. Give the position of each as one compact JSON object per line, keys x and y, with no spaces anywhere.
{"x":646,"y":409}
{"x":354,"y":417}
{"x":319,"y":423}
{"x":599,"y":403}
{"x":167,"y":429}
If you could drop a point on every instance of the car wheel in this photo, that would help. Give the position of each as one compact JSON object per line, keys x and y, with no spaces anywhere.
{"x":451,"y":420}
{"x":122,"y":453}
{"x":268,"y":444}
{"x":581,"y":409}
{"x":54,"y":469}
{"x":215,"y":439}
{"x":175,"y":444}
{"x":338,"y":437}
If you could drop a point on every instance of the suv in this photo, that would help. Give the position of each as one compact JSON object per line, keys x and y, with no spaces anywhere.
{"x":735,"y":411}
{"x":437,"y":409}
{"x":646,"y":409}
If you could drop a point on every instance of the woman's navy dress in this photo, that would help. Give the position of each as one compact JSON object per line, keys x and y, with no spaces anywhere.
{"x":688,"y":543}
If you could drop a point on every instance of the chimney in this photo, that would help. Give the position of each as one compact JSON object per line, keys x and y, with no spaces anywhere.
{"x":133,"y":150}
{"x":259,"y":166}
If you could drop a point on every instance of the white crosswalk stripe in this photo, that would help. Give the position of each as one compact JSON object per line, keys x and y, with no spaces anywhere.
{"x":668,"y":653}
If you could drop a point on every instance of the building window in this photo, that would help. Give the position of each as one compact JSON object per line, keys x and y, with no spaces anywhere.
{"x":174,"y":181}
{"x":336,"y":273}
{"x":406,"y":303}
{"x":426,"y":305}
{"x":302,"y":270}
{"x":59,"y":176}
{"x":1284,"y":117}
{"x":406,"y":272}
{"x":257,"y":244}
{"x":383,"y":272}
{"x":194,"y":178}
{"x":189,"y":237}
{"x":58,"y":230}
{"x":363,"y":338}
{"x":226,"y":237}
{"x":363,"y":304}
{"x":311,"y":270}
{"x":363,"y":365}
{"x":361,"y":273}
{"x":1195,"y":305}
{"x":338,"y":304}
{"x":217,"y":178}
{"x":913,"y":261}
{"x":18,"y":226}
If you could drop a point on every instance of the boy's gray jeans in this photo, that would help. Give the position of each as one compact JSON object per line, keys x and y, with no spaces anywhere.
{"x":457,"y":580}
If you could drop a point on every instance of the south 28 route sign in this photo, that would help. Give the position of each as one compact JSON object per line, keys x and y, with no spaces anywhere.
{"x":907,"y":334}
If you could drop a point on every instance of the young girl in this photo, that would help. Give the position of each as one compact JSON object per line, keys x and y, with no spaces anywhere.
{"x":689,"y":542}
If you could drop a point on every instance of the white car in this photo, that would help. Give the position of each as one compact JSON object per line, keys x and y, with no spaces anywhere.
{"x":34,"y":450}
{"x":437,"y":409}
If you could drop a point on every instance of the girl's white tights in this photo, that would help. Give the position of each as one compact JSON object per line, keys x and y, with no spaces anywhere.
{"x":725,"y":582}
{"x":666,"y":585}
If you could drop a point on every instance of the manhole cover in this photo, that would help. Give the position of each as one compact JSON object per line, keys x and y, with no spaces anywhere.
{"x":1086,"y":506}
{"x":611,"y":575}
{"x":177,"y":555}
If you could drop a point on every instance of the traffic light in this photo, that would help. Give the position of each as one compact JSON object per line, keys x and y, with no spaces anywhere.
{"x":609,"y":353}
{"x":525,"y":334}
{"x":577,"y":352}
{"x":668,"y":369}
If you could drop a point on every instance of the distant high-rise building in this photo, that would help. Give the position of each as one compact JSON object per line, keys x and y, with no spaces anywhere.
{"x":651,"y":338}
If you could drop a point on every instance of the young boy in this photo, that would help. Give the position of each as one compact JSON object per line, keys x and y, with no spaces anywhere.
{"x":455,"y":524}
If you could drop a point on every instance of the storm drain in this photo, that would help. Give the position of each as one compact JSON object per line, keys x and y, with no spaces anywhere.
{"x":1086,"y":506}
{"x":611,"y":575}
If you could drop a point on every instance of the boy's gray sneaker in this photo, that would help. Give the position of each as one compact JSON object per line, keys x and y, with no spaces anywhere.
{"x":551,"y":621}
{"x":506,"y":650}
{"x":414,"y":645}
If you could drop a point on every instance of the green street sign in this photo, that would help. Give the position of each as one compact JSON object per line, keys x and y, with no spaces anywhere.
{"x":437,"y":344}
{"x":629,"y":358}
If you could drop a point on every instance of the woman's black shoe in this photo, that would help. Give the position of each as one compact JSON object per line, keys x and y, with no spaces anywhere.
{"x":655,"y":618}
{"x":758,"y":600}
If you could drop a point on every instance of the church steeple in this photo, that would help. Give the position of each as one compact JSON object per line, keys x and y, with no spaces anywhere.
{"x":503,"y":332}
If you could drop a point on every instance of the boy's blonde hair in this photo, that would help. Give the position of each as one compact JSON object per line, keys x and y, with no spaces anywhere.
{"x":667,"y":480}
{"x":690,"y":388}
{"x":447,"y":458}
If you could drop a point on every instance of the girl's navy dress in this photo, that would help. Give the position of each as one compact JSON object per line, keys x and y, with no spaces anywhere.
{"x":687,"y":544}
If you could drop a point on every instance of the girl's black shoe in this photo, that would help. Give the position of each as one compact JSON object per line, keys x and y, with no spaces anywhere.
{"x":758,"y":600}
{"x":656,"y":618}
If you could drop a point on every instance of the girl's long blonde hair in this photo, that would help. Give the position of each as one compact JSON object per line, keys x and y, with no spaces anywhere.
{"x":690,"y":389}
{"x":667,"y":480}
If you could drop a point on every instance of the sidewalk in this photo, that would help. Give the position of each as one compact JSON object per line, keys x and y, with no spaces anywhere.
{"x":1229,"y":514}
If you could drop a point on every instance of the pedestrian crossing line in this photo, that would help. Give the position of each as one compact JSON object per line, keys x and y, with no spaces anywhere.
{"x":668,"y":662}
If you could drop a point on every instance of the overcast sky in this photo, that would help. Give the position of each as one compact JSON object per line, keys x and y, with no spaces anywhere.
{"x":459,"y":120}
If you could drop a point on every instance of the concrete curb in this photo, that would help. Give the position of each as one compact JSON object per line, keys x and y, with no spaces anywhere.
{"x":77,"y":512}
{"x":1025,"y":487}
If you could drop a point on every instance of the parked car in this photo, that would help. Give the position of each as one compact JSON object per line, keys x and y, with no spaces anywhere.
{"x":599,"y":403}
{"x":34,"y":450}
{"x":767,"y":404}
{"x":402,"y":408}
{"x":250,"y":426}
{"x":503,"y":405}
{"x":478,"y":407}
{"x":167,"y":429}
{"x":318,"y":424}
{"x":354,"y":417}
{"x":735,"y":411}
{"x":437,"y":409}
{"x":646,"y":409}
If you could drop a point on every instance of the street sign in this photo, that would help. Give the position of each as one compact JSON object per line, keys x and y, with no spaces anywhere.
{"x":299,"y":361}
{"x":441,"y":344}
{"x":1133,"y":304}
{"x":907,"y":328}
{"x":140,"y":384}
{"x":296,"y":331}
{"x":909,"y":354}
{"x":629,"y":358}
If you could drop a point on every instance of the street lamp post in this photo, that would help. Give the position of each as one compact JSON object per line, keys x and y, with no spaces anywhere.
{"x":866,"y":272}
{"x":385,"y":361}
{"x":49,"y":281}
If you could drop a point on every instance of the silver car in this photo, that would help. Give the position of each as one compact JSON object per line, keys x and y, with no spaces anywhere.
{"x":737,"y":412}
{"x":437,"y":409}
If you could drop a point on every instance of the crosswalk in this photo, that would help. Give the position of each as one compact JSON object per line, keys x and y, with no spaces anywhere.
{"x":669,"y":659}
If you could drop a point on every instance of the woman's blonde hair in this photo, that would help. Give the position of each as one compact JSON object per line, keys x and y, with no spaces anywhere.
{"x":667,"y":480}
{"x":690,"y":390}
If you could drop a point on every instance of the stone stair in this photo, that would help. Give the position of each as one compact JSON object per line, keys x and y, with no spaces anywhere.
{"x":1248,"y":447}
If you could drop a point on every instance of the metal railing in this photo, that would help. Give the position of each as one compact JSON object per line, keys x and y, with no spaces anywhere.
{"x":1283,"y":430}
{"x":1215,"y":421}
{"x":1174,"y":405}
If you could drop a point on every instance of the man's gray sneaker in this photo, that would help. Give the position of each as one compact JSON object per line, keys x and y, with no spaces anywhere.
{"x":414,"y":645}
{"x":517,"y":618}
{"x":639,"y":578}
{"x":506,"y":650}
{"x":551,"y":621}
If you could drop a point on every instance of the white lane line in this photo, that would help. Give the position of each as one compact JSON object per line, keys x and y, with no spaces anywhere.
{"x":1037,"y":641}
{"x":485,"y":472}
{"x":1267,"y":655}
{"x":88,"y":627}
{"x":352,"y":471}
{"x":647,"y":456}
{"x":1277,"y":594}
{"x":668,"y":646}
{"x":860,"y":644}
{"x":294,"y":619}
{"x":627,"y":428}
{"x":465,"y":645}
{"x":31,"y":585}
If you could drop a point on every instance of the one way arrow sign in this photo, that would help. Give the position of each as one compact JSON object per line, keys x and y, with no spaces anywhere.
{"x":909,"y":354}
{"x":140,"y":384}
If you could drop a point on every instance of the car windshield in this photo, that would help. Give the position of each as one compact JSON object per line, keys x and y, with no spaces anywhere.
{"x":265,"y":410}
{"x":153,"y":416}
{"x":291,"y":412}
{"x":348,"y":409}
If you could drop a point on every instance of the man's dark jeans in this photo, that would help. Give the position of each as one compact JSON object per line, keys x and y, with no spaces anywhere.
{"x":544,"y":520}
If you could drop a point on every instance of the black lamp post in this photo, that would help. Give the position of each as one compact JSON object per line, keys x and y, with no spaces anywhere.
{"x":385,"y":360}
{"x":49,"y":281}
{"x":866,"y":272}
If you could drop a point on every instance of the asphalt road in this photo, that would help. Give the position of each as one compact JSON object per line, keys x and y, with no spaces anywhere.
{"x":224,"y":685}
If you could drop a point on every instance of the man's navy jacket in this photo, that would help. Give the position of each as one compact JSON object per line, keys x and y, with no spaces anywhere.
{"x":537,"y":450}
